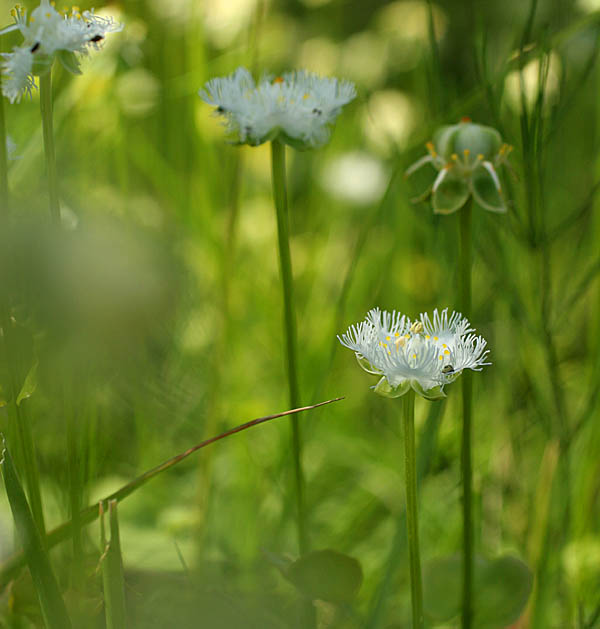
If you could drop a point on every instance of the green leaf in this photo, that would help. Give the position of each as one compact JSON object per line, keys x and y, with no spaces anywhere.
{"x":30,"y":384}
{"x":69,"y":61}
{"x":501,"y":589}
{"x":51,"y":602}
{"x":326,"y":575}
{"x":485,"y":192}
{"x":113,"y":580}
{"x":450,"y":195}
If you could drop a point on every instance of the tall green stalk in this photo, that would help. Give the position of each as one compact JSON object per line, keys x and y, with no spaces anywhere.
{"x":49,"y":152}
{"x":466,"y":456}
{"x":19,"y":418}
{"x":280,"y":197}
{"x":412,"y":522}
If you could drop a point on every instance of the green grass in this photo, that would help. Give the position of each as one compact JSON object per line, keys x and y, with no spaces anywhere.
{"x":157,"y":319}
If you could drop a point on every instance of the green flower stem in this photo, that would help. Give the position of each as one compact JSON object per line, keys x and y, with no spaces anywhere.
{"x":412,"y":523}
{"x":48,"y":131}
{"x":466,"y":456}
{"x":3,"y":164}
{"x":280,"y":197}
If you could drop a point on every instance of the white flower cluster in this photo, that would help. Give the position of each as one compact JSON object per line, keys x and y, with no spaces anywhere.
{"x":297,"y":108}
{"x":47,"y":33}
{"x":424,"y":354}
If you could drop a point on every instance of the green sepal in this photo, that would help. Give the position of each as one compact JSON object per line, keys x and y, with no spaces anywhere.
{"x":295,"y":143}
{"x":485,"y":192}
{"x":366,"y":365}
{"x":69,"y":61}
{"x":385,"y":389}
{"x":478,"y":140}
{"x":42,"y":64}
{"x":450,"y":195}
{"x":433,"y":394}
{"x":443,"y":140}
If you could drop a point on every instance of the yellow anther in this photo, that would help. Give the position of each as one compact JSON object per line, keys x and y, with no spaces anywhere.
{"x":414,"y":355}
{"x":441,"y":358}
{"x":454,"y":157}
{"x":384,"y":344}
{"x":407,"y":336}
{"x":431,"y":149}
{"x":447,"y":352}
{"x":401,"y":342}
{"x":435,"y":338}
{"x":305,"y":96}
{"x":278,"y":79}
{"x":397,"y":334}
{"x":48,"y":15}
{"x":388,"y":338}
{"x":480,"y":157}
{"x":467,"y":152}
{"x":427,"y":336}
{"x":13,"y":12}
{"x":76,"y":9}
{"x":444,"y":345}
{"x":389,"y":351}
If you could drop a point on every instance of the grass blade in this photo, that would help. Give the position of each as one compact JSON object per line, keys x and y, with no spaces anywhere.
{"x":113,"y":580}
{"x":11,"y":567}
{"x":51,"y":601}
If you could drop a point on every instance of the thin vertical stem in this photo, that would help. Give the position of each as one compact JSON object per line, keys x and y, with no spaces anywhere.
{"x":3,"y":165}
{"x":280,"y":197}
{"x":48,"y":131}
{"x":412,"y":522}
{"x":466,"y":456}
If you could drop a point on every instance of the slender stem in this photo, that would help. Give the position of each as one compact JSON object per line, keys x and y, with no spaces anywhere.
{"x":280,"y":197}
{"x":47,"y":127}
{"x":3,"y":165}
{"x":412,"y":523}
{"x":466,"y":456}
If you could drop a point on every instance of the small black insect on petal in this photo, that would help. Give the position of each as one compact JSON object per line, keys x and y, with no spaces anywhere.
{"x":35,"y":46}
{"x":317,"y":111}
{"x":96,"y":38}
{"x":220,"y":110}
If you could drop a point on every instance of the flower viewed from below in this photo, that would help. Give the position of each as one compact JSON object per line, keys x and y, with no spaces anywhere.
{"x":297,"y":108}
{"x":425,"y":354}
{"x":466,"y":156}
{"x":46,"y":34}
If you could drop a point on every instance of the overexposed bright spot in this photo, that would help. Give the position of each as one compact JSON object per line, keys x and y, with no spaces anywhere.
{"x":224,"y":19}
{"x":319,"y":55}
{"x":355,"y":177}
{"x":589,"y":6}
{"x":138,"y":91}
{"x":364,"y":58}
{"x":177,"y":10}
{"x":388,"y":119}
{"x":532,"y":76}
{"x":405,"y":25}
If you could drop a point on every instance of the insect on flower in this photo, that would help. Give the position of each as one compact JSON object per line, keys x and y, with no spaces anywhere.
{"x":297,"y":108}
{"x":466,"y":156}
{"x":49,"y":34}
{"x":425,"y":354}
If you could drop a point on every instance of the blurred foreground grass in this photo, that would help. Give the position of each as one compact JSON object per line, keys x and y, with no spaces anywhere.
{"x":156,"y":320}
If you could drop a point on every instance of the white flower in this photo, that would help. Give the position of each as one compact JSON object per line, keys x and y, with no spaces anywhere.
{"x":297,"y":108}
{"x":48,"y":33}
{"x":424,"y":354}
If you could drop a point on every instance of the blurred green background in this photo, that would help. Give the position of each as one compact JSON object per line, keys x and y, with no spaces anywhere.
{"x":156,"y":319}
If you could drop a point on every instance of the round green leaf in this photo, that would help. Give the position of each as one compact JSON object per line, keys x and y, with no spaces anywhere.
{"x":326,"y":575}
{"x":501,"y":589}
{"x":450,"y":195}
